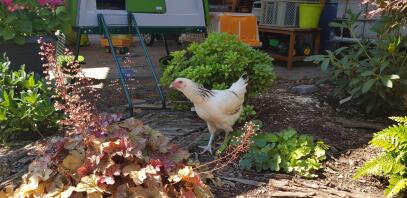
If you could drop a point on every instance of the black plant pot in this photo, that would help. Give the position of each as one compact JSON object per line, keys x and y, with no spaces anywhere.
{"x":26,"y":54}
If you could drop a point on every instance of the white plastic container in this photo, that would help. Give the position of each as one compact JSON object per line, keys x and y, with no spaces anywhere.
{"x":256,"y":10}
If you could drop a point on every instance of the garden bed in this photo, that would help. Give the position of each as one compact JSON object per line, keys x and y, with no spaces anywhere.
{"x":280,"y":108}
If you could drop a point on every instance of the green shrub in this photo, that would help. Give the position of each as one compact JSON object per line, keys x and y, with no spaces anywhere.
{"x":392,"y":163}
{"x":373,"y":73}
{"x":25,"y":105}
{"x":218,"y":62}
{"x":248,"y":112}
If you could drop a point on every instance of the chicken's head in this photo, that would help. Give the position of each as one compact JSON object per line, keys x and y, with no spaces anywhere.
{"x":180,"y":84}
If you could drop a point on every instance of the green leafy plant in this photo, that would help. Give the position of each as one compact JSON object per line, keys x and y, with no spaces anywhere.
{"x":22,"y":18}
{"x":65,"y":61}
{"x":25,"y":104}
{"x":395,"y":12}
{"x":286,"y":151}
{"x":248,"y":112}
{"x":218,"y":62}
{"x":392,"y":163}
{"x":372,"y":73}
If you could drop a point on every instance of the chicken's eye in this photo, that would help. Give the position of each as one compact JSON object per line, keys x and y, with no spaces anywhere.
{"x":180,"y":82}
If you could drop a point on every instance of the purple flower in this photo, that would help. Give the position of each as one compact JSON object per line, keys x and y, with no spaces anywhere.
{"x":8,"y":2}
{"x":42,"y":2}
{"x":55,"y":3}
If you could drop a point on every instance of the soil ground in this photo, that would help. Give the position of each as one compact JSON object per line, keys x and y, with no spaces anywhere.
{"x":279,"y":108}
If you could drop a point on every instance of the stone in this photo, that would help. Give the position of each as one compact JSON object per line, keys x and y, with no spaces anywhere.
{"x":304,"y":89}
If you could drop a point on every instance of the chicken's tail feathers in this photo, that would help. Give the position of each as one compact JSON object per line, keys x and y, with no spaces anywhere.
{"x":239,"y":86}
{"x":245,"y":76}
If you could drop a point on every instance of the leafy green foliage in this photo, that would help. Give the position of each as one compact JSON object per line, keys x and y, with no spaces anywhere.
{"x":22,"y":18}
{"x":218,"y":62}
{"x":285,"y":151}
{"x":25,"y":104}
{"x":374,"y":73}
{"x":248,"y":112}
{"x":392,"y":163}
{"x":66,"y":63}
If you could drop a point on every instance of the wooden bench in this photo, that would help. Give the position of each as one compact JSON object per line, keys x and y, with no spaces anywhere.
{"x":293,"y":33}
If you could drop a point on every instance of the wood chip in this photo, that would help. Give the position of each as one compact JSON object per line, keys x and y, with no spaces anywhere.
{"x":291,"y":194}
{"x":278,"y":183}
{"x":244,"y":181}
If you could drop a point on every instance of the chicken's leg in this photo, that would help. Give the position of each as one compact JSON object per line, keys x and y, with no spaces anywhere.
{"x":208,"y":147}
{"x":212,"y":131}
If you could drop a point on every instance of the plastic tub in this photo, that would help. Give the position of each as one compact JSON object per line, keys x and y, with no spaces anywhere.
{"x":309,"y":15}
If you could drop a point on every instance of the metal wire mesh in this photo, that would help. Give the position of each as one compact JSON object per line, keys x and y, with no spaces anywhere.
{"x":269,"y":15}
{"x":291,"y":14}
{"x":60,"y":49}
{"x":283,"y":13}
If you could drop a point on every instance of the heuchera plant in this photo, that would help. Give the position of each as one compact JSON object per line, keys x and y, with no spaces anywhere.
{"x":100,"y":156}
{"x":20,"y":19}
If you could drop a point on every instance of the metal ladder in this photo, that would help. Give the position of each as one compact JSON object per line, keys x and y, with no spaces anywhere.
{"x":134,"y":29}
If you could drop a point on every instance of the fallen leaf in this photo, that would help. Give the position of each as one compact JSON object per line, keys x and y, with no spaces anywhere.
{"x":95,"y":195}
{"x":72,"y":162}
{"x":182,"y":173}
{"x":89,"y":184}
{"x":68,"y":192}
{"x":129,"y":168}
{"x":138,"y":176}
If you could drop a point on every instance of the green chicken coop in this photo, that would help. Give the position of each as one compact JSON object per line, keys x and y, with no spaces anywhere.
{"x":137,"y":17}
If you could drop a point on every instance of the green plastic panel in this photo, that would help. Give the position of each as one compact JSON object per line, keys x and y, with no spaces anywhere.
{"x":73,"y":11}
{"x":146,"y":6}
{"x":206,"y":10}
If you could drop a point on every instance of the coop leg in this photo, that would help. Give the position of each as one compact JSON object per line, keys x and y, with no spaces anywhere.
{"x":291,"y":51}
{"x":165,"y":44}
{"x":78,"y":42}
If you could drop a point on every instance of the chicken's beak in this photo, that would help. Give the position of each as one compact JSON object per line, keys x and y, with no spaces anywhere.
{"x":172,"y":85}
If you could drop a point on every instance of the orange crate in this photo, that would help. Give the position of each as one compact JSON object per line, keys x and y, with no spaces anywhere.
{"x":242,"y":25}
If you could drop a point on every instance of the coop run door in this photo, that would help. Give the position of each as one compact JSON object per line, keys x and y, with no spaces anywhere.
{"x":146,"y":6}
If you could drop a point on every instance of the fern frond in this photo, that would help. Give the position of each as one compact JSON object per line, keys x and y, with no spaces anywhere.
{"x":393,"y":138}
{"x":382,"y":165}
{"x":396,"y":185}
{"x":402,"y":120}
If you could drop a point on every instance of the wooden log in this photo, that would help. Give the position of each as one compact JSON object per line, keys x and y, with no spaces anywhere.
{"x":244,"y":181}
{"x":359,"y":124}
{"x":291,"y":194}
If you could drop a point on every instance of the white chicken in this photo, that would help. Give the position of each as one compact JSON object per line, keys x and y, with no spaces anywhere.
{"x":219,"y":108}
